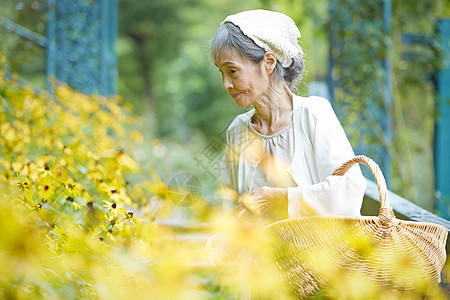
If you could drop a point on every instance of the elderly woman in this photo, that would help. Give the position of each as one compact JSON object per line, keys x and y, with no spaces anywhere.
{"x":281,"y":154}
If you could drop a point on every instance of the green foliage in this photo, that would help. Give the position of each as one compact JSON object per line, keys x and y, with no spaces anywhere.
{"x":24,"y":56}
{"x":172,"y":74}
{"x":360,"y":45}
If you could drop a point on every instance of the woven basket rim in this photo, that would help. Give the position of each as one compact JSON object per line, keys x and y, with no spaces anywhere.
{"x":349,"y":218}
{"x":386,"y":215}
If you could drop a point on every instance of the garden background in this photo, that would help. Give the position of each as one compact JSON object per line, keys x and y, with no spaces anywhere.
{"x":96,"y":188}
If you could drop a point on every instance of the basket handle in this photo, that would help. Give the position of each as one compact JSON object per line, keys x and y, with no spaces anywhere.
{"x":386,"y":213}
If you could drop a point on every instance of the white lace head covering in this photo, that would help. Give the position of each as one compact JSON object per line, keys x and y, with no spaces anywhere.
{"x":271,"y":31}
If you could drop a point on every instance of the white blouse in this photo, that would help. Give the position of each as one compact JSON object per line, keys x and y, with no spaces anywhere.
{"x":279,"y":147}
{"x":302,"y":157}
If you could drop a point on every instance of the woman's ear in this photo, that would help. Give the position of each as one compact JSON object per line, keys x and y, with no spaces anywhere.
{"x":269,"y":61}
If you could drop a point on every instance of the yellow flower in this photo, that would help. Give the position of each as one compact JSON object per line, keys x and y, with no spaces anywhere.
{"x":45,"y":191}
{"x":113,"y":222}
{"x":126,"y":162}
{"x":72,"y":187}
{"x":137,"y":137}
{"x":113,"y":194}
{"x":45,"y":173}
{"x":74,"y":204}
{"x":158,"y":188}
{"x":114,"y":208}
{"x":129,"y":216}
{"x":110,"y":235}
{"x":23,"y":185}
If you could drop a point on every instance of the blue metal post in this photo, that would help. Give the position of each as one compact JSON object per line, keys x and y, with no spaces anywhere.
{"x":82,"y":36}
{"x":442,"y":132}
{"x":104,"y":48}
{"x":387,"y":16}
{"x":108,"y":37}
{"x":114,"y":29}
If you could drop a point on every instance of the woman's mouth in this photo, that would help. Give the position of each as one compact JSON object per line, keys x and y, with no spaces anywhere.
{"x":236,"y":95}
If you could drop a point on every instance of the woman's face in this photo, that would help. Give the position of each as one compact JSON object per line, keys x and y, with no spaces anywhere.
{"x":242,"y":78}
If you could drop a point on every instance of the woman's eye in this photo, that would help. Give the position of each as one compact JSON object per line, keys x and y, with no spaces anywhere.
{"x":233,"y":71}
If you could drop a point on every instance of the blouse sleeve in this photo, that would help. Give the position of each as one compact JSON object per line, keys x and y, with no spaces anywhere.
{"x":333,"y":195}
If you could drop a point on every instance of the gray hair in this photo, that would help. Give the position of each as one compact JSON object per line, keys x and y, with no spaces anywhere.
{"x":229,"y":36}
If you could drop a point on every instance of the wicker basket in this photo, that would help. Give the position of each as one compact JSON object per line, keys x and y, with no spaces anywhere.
{"x":382,"y":250}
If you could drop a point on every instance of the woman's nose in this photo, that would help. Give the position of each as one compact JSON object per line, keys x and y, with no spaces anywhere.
{"x":227,"y":84}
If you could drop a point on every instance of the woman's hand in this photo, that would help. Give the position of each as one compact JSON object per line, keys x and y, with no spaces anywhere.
{"x":261,"y":199}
